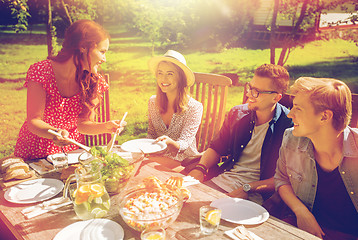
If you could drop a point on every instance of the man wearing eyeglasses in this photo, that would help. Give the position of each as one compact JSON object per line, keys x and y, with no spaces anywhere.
{"x":249,"y":139}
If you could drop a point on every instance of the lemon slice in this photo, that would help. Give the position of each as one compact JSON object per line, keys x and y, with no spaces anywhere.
{"x":98,"y":200}
{"x":97,"y":190}
{"x":213,"y":217}
{"x":99,"y":213}
{"x":155,"y":236}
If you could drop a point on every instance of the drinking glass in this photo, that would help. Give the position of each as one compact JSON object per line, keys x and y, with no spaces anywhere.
{"x":153,"y":233}
{"x":209,"y":219}
{"x":59,"y":162}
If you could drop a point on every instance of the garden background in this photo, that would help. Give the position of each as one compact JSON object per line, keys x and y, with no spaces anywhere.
{"x":131,"y":84}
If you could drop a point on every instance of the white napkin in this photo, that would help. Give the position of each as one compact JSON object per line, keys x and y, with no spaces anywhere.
{"x":189,"y":180}
{"x":42,"y":166}
{"x":231,"y":234}
{"x":45,"y":207}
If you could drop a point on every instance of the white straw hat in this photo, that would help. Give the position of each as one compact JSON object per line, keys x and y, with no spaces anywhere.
{"x":176,"y":58}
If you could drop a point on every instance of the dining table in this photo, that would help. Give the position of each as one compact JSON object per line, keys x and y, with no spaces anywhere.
{"x":186,"y":226}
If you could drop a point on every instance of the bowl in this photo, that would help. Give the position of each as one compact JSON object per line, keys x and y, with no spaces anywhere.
{"x":143,"y":208}
{"x":118,"y":168}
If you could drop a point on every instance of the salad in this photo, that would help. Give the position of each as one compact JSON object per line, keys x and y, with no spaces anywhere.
{"x":116,"y":171}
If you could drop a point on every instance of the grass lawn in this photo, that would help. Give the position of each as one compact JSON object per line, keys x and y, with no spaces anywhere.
{"x":132,"y":84}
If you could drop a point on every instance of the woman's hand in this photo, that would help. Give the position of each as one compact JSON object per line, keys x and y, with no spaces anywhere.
{"x":61,"y":141}
{"x":173,"y":146}
{"x":307,"y":222}
{"x":115,"y":125}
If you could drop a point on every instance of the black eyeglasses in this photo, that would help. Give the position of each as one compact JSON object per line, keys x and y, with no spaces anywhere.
{"x":255,"y":93}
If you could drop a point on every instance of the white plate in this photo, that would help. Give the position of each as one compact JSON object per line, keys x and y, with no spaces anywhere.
{"x":93,"y":229}
{"x":241,"y":211}
{"x":32,"y":191}
{"x":72,"y":156}
{"x":145,"y":144}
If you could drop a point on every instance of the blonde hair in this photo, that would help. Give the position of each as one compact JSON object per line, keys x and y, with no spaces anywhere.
{"x":327,"y":94}
{"x":180,"y":103}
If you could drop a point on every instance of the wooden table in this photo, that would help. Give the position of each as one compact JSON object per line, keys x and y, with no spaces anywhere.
{"x":186,"y":226}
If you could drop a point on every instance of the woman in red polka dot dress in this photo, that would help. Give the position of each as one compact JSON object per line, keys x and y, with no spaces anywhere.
{"x":63,"y":93}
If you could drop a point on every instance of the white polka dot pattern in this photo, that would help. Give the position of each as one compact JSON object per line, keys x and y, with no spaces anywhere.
{"x":59,"y":112}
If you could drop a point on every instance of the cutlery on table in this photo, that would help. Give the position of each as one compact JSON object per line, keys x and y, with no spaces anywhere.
{"x":87,"y":149}
{"x":111,"y":143}
{"x":242,"y":233}
{"x":45,"y":207}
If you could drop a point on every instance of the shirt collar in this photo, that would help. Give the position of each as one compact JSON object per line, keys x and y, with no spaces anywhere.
{"x":350,"y":148}
{"x":278,"y":111}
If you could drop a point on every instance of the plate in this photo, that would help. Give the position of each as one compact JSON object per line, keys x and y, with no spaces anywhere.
{"x":72,"y":156}
{"x":93,"y":229}
{"x":145,"y":144}
{"x":241,"y":211}
{"x":33,"y":191}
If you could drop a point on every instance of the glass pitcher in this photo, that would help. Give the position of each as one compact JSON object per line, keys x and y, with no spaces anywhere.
{"x":89,"y":196}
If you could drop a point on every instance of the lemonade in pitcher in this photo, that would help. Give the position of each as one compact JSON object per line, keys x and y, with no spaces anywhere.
{"x":90,"y":198}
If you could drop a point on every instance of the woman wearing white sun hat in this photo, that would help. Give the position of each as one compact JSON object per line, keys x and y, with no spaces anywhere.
{"x":173,"y":116}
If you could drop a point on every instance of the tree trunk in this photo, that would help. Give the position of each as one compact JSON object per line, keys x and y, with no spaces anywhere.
{"x":273,"y":32}
{"x":50,"y":50}
{"x":66,"y":11}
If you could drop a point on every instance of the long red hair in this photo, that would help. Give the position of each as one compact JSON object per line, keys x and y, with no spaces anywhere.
{"x":83,"y":34}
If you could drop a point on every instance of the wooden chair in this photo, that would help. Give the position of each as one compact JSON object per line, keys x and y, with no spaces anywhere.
{"x":354,"y":119}
{"x":103,"y":116}
{"x":287,"y":101}
{"x":211,"y":90}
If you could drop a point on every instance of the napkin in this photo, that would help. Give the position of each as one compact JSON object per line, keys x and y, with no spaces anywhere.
{"x":231,"y":234}
{"x":42,"y":166}
{"x":45,"y":207}
{"x":189,"y":180}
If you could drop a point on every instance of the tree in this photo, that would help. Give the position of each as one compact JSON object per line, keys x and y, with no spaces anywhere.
{"x":304,"y":14}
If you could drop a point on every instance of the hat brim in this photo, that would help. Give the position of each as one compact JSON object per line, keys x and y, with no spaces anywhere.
{"x":154,"y":61}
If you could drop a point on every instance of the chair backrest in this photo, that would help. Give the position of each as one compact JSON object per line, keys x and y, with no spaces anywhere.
{"x":287,"y":101}
{"x":211,"y":90}
{"x":103,"y":116}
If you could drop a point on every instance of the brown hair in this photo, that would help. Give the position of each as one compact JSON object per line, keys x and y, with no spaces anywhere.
{"x":327,"y":94}
{"x":278,"y":74}
{"x":83,"y":34}
{"x":182,"y":98}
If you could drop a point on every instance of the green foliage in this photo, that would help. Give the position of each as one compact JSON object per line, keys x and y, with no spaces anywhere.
{"x":131,"y":83}
{"x":20,"y":11}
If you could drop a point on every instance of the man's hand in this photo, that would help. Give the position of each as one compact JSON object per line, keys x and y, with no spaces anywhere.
{"x":238,"y":193}
{"x":307,"y":222}
{"x":197,"y":175}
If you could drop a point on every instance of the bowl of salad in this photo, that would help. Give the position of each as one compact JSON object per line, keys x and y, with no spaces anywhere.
{"x":117,"y":166}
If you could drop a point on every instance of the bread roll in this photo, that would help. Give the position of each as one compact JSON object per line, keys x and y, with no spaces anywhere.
{"x":17,"y":174}
{"x":9,"y":161}
{"x":16,"y":166}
